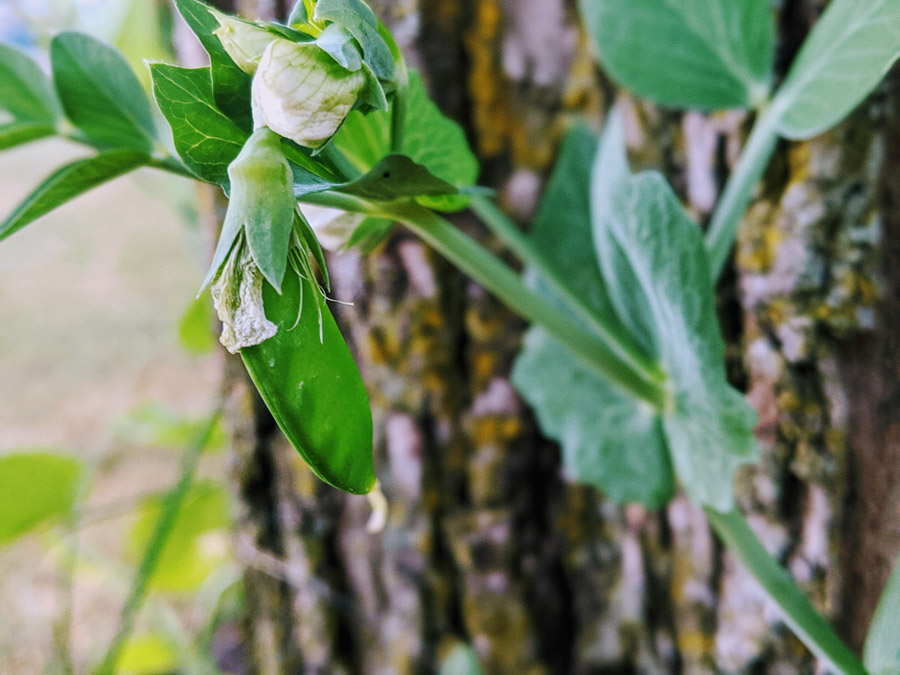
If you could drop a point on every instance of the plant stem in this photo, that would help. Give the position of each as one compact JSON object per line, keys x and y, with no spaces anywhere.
{"x":607,"y":357}
{"x":738,"y":190}
{"x":171,"y":507}
{"x":799,"y":614}
{"x":345,"y":168}
{"x":608,"y":329}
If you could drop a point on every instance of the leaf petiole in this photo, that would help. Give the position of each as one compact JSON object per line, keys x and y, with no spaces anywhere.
{"x":604,"y":355}
{"x":505,"y":230}
{"x":738,"y":191}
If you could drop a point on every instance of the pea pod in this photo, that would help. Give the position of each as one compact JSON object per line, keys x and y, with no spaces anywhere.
{"x":313,"y":387}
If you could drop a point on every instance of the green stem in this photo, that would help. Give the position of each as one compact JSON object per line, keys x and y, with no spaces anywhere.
{"x":341,"y":163}
{"x":738,"y":191}
{"x":609,"y":329}
{"x":799,"y":614}
{"x":607,"y":357}
{"x":171,"y":507}
{"x":401,"y":95}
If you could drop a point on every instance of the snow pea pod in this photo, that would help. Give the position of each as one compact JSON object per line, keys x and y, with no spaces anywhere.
{"x":313,"y":388}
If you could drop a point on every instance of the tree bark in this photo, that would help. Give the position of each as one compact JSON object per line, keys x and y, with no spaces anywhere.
{"x":485,"y":542}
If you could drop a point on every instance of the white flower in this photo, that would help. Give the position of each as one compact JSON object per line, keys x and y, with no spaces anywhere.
{"x":302,"y":93}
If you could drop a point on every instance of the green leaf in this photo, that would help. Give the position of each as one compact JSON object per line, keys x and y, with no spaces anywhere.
{"x":195,"y":329}
{"x":657,"y":276}
{"x":394,"y":177}
{"x":365,"y":138}
{"x":147,"y":654}
{"x":337,"y":42}
{"x":369,"y":234}
{"x":313,"y":387}
{"x":68,"y":182}
{"x":708,"y":54}
{"x":101,"y":94}
{"x":17,"y":133}
{"x":34,"y":488}
{"x":430,"y":139}
{"x":197,"y":545}
{"x":460,"y":660}
{"x":361,"y":22}
{"x":882,"y":650}
{"x":28,"y":93}
{"x":438,"y":143}
{"x":608,"y":439}
{"x":848,"y":52}
{"x":230,"y":85}
{"x":205,"y":138}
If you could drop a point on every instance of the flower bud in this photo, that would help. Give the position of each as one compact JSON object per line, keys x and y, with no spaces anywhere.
{"x":245,"y":42}
{"x":302,"y":93}
{"x":237,"y":296}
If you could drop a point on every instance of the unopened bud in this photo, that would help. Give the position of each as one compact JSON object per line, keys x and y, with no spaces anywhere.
{"x":302,"y":93}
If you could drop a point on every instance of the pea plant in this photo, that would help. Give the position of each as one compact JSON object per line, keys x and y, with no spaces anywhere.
{"x":321,"y":136}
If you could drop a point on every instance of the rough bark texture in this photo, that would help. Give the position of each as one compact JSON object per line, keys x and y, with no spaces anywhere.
{"x":485,"y":542}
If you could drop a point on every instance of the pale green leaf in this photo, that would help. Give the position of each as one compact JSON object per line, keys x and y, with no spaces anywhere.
{"x":69,"y":182}
{"x":848,"y":52}
{"x":35,"y":487}
{"x":101,"y":94}
{"x":196,"y":546}
{"x":360,"y":21}
{"x":657,"y":275}
{"x":707,"y":54}
{"x":609,"y":440}
{"x":147,"y":654}
{"x":205,"y":138}
{"x":195,"y":329}
{"x":27,"y":93}
{"x":882,"y":650}
{"x":460,"y":660}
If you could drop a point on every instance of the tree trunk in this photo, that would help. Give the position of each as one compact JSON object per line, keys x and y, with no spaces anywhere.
{"x":485,"y":542}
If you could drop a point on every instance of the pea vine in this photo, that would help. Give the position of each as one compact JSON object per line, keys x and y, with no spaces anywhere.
{"x":320,"y":136}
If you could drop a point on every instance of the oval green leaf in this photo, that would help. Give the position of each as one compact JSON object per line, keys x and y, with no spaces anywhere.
{"x":101,"y":94}
{"x":205,"y":137}
{"x":27,"y":92}
{"x":68,"y":182}
{"x":848,"y":52}
{"x":313,"y":387}
{"x":709,"y":54}
{"x":34,"y":488}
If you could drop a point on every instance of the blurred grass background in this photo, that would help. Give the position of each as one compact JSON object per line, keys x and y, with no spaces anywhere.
{"x":92,"y":297}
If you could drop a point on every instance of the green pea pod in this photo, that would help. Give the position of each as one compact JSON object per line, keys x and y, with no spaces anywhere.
{"x":313,"y":387}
